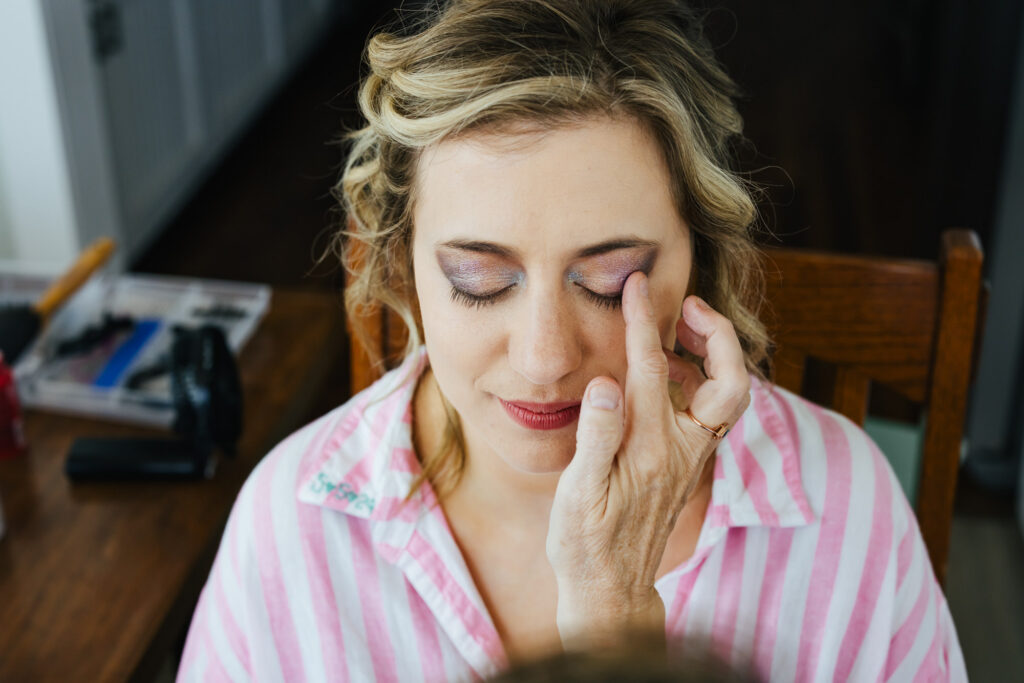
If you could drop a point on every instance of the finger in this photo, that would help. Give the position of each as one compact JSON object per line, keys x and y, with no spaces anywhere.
{"x":723,"y":355}
{"x":647,"y":370}
{"x":598,"y":433}
{"x":684,"y":373}
{"x":722,"y":398}
{"x":689,"y":339}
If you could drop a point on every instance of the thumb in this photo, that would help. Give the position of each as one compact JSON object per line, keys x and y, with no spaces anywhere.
{"x":599,"y":433}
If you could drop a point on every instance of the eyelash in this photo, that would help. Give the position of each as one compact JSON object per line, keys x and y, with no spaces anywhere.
{"x":478,"y":301}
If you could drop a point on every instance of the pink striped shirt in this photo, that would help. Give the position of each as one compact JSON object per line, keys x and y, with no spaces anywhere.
{"x":809,"y":567}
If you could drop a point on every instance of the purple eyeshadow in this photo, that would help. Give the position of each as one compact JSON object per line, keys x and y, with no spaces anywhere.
{"x":606,"y":274}
{"x":478,"y":274}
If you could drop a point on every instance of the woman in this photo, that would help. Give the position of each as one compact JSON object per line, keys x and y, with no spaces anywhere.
{"x":542,"y":192}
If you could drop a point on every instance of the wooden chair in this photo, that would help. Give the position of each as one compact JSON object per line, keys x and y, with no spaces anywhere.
{"x":910,"y":325}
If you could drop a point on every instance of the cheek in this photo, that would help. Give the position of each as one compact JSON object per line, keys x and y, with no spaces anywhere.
{"x":462,"y":342}
{"x":604,"y":345}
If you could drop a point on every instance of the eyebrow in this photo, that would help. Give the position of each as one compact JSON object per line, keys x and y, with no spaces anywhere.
{"x":592,"y":250}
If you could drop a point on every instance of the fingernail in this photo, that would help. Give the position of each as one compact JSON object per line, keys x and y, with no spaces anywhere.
{"x":603,"y":396}
{"x":702,"y":305}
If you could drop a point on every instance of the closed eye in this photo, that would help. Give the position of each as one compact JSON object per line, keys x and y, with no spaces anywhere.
{"x":478,"y":300}
{"x":603,"y":300}
{"x":471,"y":300}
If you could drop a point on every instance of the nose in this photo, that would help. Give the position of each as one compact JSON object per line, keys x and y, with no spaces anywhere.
{"x":545,"y":344}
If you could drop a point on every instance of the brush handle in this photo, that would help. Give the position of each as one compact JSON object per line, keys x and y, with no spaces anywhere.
{"x":66,"y":285}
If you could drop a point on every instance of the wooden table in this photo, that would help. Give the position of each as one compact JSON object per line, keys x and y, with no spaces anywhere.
{"x":97,"y":581}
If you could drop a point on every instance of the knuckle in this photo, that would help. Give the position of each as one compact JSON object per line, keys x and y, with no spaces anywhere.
{"x":734,"y":389}
{"x":655,"y":364}
{"x":725,"y":325}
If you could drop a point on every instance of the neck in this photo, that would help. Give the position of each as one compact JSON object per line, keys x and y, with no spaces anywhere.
{"x":489,"y":486}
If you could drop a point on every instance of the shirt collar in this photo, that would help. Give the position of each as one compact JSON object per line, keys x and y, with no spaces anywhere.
{"x":365,"y":463}
{"x":757,"y":479}
{"x":757,"y":472}
{"x":365,"y":468}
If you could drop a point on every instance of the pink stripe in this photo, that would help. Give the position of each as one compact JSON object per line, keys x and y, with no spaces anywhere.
{"x":404,"y":460}
{"x":215,"y":672}
{"x":754,"y":481}
{"x":325,"y":606}
{"x":719,"y":515}
{"x":787,"y":440}
{"x":905,"y":553}
{"x":393,"y":508}
{"x":831,"y":532}
{"x":362,"y":472}
{"x":903,"y":640}
{"x":275,"y":598}
{"x":317,"y":453}
{"x":198,"y":637}
{"x":873,"y":573}
{"x":676,"y":620}
{"x":426,"y":636}
{"x":234,"y":540}
{"x":769,"y":608}
{"x":382,"y":653}
{"x":730,"y":585}
{"x":235,"y":636}
{"x":476,"y":622}
{"x":930,"y":669}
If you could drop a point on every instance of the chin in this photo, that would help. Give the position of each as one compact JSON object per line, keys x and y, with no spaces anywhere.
{"x":524,"y":450}
{"x":549,"y":455}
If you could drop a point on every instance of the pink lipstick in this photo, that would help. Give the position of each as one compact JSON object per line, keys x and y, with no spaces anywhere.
{"x":542,"y":415}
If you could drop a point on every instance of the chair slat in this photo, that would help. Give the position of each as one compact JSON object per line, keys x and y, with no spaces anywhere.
{"x":850,"y":395}
{"x":789,"y":369}
{"x":947,"y":396}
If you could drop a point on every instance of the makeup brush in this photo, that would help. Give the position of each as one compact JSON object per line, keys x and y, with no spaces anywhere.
{"x":19,"y":325}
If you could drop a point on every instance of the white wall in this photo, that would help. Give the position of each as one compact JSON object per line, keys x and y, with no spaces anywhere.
{"x":6,"y":245}
{"x":38,"y":217}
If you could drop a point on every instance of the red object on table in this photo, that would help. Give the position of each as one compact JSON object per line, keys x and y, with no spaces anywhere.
{"x":12,"y":428}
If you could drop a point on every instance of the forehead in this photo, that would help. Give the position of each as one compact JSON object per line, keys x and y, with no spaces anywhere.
{"x":551,"y":191}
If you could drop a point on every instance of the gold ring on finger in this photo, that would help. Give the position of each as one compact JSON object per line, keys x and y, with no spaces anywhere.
{"x":715,"y":432}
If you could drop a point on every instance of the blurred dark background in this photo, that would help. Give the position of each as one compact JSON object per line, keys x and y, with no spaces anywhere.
{"x":873,"y":126}
{"x":881,"y":122}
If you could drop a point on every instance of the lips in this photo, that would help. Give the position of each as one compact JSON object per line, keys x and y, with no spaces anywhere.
{"x":542,"y":416}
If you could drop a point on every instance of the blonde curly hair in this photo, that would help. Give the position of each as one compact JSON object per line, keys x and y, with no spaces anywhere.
{"x":476,"y":64}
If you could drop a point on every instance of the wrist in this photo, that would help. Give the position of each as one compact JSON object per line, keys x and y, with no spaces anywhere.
{"x":586,"y":620}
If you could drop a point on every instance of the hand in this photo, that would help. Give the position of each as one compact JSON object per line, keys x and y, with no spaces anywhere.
{"x":637,"y":462}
